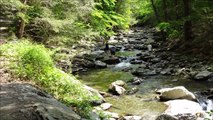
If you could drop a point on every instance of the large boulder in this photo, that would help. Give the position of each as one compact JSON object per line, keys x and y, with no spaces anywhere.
{"x":111,"y":60}
{"x":117,"y":87}
{"x":95,"y":92}
{"x":203,"y":75}
{"x":182,"y":110}
{"x":83,"y":63}
{"x":99,"y":54}
{"x":25,"y":102}
{"x":178,"y":92}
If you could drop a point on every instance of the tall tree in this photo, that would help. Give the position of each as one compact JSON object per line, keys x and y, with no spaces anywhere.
{"x":176,"y":9}
{"x":155,"y":10}
{"x":188,"y":23}
{"x":22,"y":23}
{"x":165,"y":10}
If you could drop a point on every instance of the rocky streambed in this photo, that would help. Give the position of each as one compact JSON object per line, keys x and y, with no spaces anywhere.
{"x":137,"y":68}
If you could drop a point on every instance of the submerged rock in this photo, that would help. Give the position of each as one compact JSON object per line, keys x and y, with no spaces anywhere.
{"x":144,"y":72}
{"x":132,"y":91}
{"x":179,"y":92}
{"x":111,"y":115}
{"x":137,"y":81}
{"x":204,"y":75}
{"x":25,"y":102}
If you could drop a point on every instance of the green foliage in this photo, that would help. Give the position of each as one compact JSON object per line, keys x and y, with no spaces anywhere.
{"x":110,"y":15}
{"x":12,"y":4}
{"x":34,"y":62}
{"x":210,"y":113}
{"x":170,"y":29}
{"x":164,"y":26}
{"x":142,"y":11}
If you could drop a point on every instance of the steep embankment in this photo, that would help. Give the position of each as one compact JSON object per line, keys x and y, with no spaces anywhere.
{"x":24,"y":102}
{"x":23,"y":62}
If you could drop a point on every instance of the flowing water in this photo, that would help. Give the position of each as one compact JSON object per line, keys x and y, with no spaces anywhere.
{"x":144,"y":102}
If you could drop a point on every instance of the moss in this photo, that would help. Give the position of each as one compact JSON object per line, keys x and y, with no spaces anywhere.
{"x":136,"y":106}
{"x":127,"y":53}
{"x":101,"y":79}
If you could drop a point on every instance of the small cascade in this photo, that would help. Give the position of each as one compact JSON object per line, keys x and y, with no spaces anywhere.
{"x":205,"y":103}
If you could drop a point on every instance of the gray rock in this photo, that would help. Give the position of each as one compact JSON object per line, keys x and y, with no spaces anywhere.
{"x":117,"y":87}
{"x":137,"y":81}
{"x":178,"y":92}
{"x":132,"y":118}
{"x":105,"y":106}
{"x":167,"y":71}
{"x":132,"y":91}
{"x":97,"y":54}
{"x":136,"y":61}
{"x":25,"y":102}
{"x":155,"y":60}
{"x":149,"y":47}
{"x":95,"y":92}
{"x":144,"y":72}
{"x":100,"y":64}
{"x":94,"y":116}
{"x":140,"y":47}
{"x":119,"y":83}
{"x":166,"y":117}
{"x":111,"y":60}
{"x":182,"y":110}
{"x":83,"y":63}
{"x":111,"y":115}
{"x":203,"y":75}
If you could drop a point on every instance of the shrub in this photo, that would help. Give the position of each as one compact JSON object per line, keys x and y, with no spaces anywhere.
{"x":34,"y":62}
{"x":164,"y":26}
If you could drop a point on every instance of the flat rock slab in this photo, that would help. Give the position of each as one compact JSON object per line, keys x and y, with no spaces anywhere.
{"x":179,"y":92}
{"x":24,"y":102}
{"x":203,"y":75}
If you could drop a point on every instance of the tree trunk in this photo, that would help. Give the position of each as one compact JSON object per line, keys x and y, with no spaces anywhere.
{"x":176,"y":10}
{"x":22,"y":24}
{"x":21,"y":29}
{"x":165,"y":10}
{"x":188,"y":23}
{"x":155,"y":11}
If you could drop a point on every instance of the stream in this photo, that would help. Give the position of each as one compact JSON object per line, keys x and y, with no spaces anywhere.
{"x":141,"y":55}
